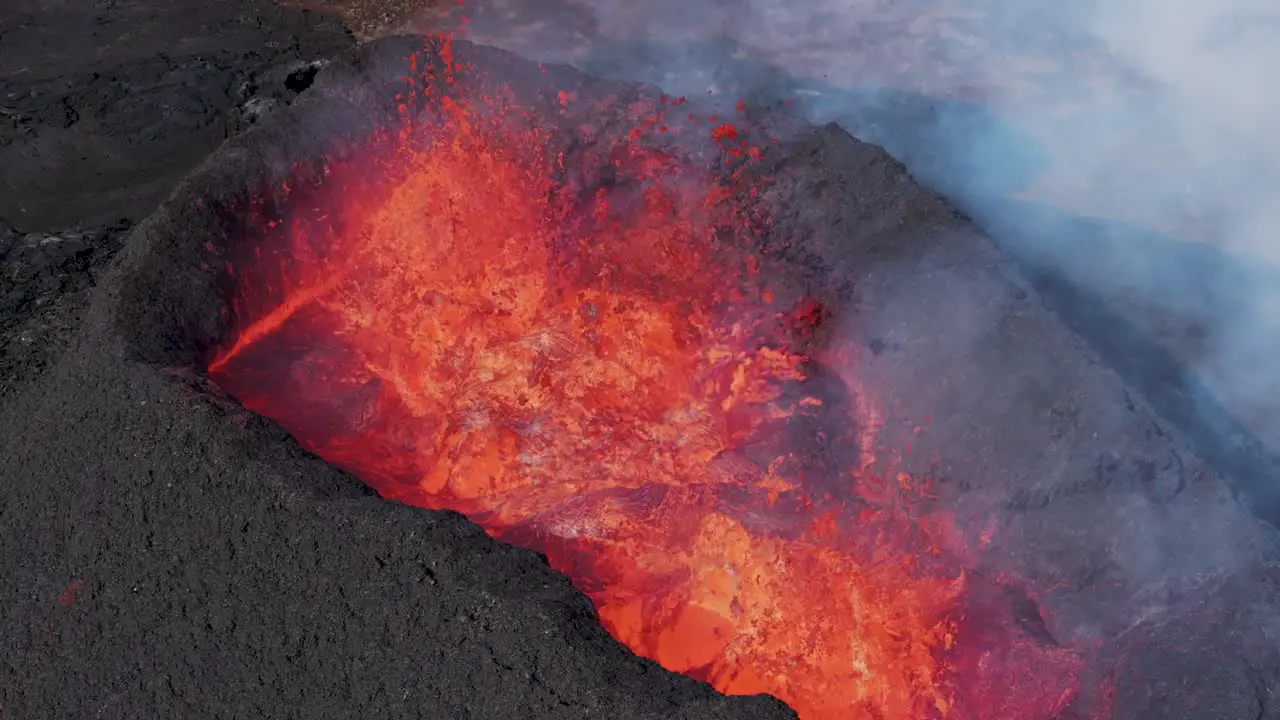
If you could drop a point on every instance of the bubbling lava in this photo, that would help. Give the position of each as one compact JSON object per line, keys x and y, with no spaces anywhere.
{"x":598,"y":375}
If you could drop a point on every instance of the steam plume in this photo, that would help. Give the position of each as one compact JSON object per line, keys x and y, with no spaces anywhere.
{"x":1127,"y":148}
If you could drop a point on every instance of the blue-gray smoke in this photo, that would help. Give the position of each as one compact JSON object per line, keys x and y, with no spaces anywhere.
{"x":1124,"y":151}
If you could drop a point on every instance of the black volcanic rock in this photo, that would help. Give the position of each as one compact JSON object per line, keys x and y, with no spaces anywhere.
{"x":104,"y":106}
{"x":44,"y":281}
{"x":167,"y":554}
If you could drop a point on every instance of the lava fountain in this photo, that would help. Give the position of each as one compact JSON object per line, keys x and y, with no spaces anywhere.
{"x":568,"y":331}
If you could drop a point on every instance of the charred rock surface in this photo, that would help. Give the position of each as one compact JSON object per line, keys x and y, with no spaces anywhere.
{"x":105,"y":106}
{"x":46,"y":279}
{"x":169,"y":554}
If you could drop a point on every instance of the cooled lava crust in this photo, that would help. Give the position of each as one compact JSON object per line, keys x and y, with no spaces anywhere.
{"x":275,"y":583}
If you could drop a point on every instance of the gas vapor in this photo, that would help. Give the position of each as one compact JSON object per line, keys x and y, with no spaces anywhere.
{"x":1122,"y":151}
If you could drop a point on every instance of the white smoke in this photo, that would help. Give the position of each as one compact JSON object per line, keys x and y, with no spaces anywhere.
{"x":1129,"y":143}
{"x":1156,"y":113}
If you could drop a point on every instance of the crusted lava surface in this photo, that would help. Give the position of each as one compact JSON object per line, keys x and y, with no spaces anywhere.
{"x":168,"y":553}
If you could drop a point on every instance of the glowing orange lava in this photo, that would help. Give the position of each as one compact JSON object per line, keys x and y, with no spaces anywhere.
{"x":604,"y":380}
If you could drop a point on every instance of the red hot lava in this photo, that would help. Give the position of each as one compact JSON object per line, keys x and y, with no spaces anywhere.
{"x":591,"y":370}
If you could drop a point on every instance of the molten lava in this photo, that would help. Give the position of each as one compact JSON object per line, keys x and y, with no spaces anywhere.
{"x":567,"y":348}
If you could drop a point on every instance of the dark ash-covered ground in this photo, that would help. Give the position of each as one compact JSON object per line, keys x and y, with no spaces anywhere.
{"x":166,"y":555}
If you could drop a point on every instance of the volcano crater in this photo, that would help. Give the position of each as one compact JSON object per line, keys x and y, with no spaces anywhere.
{"x":495,"y":631}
